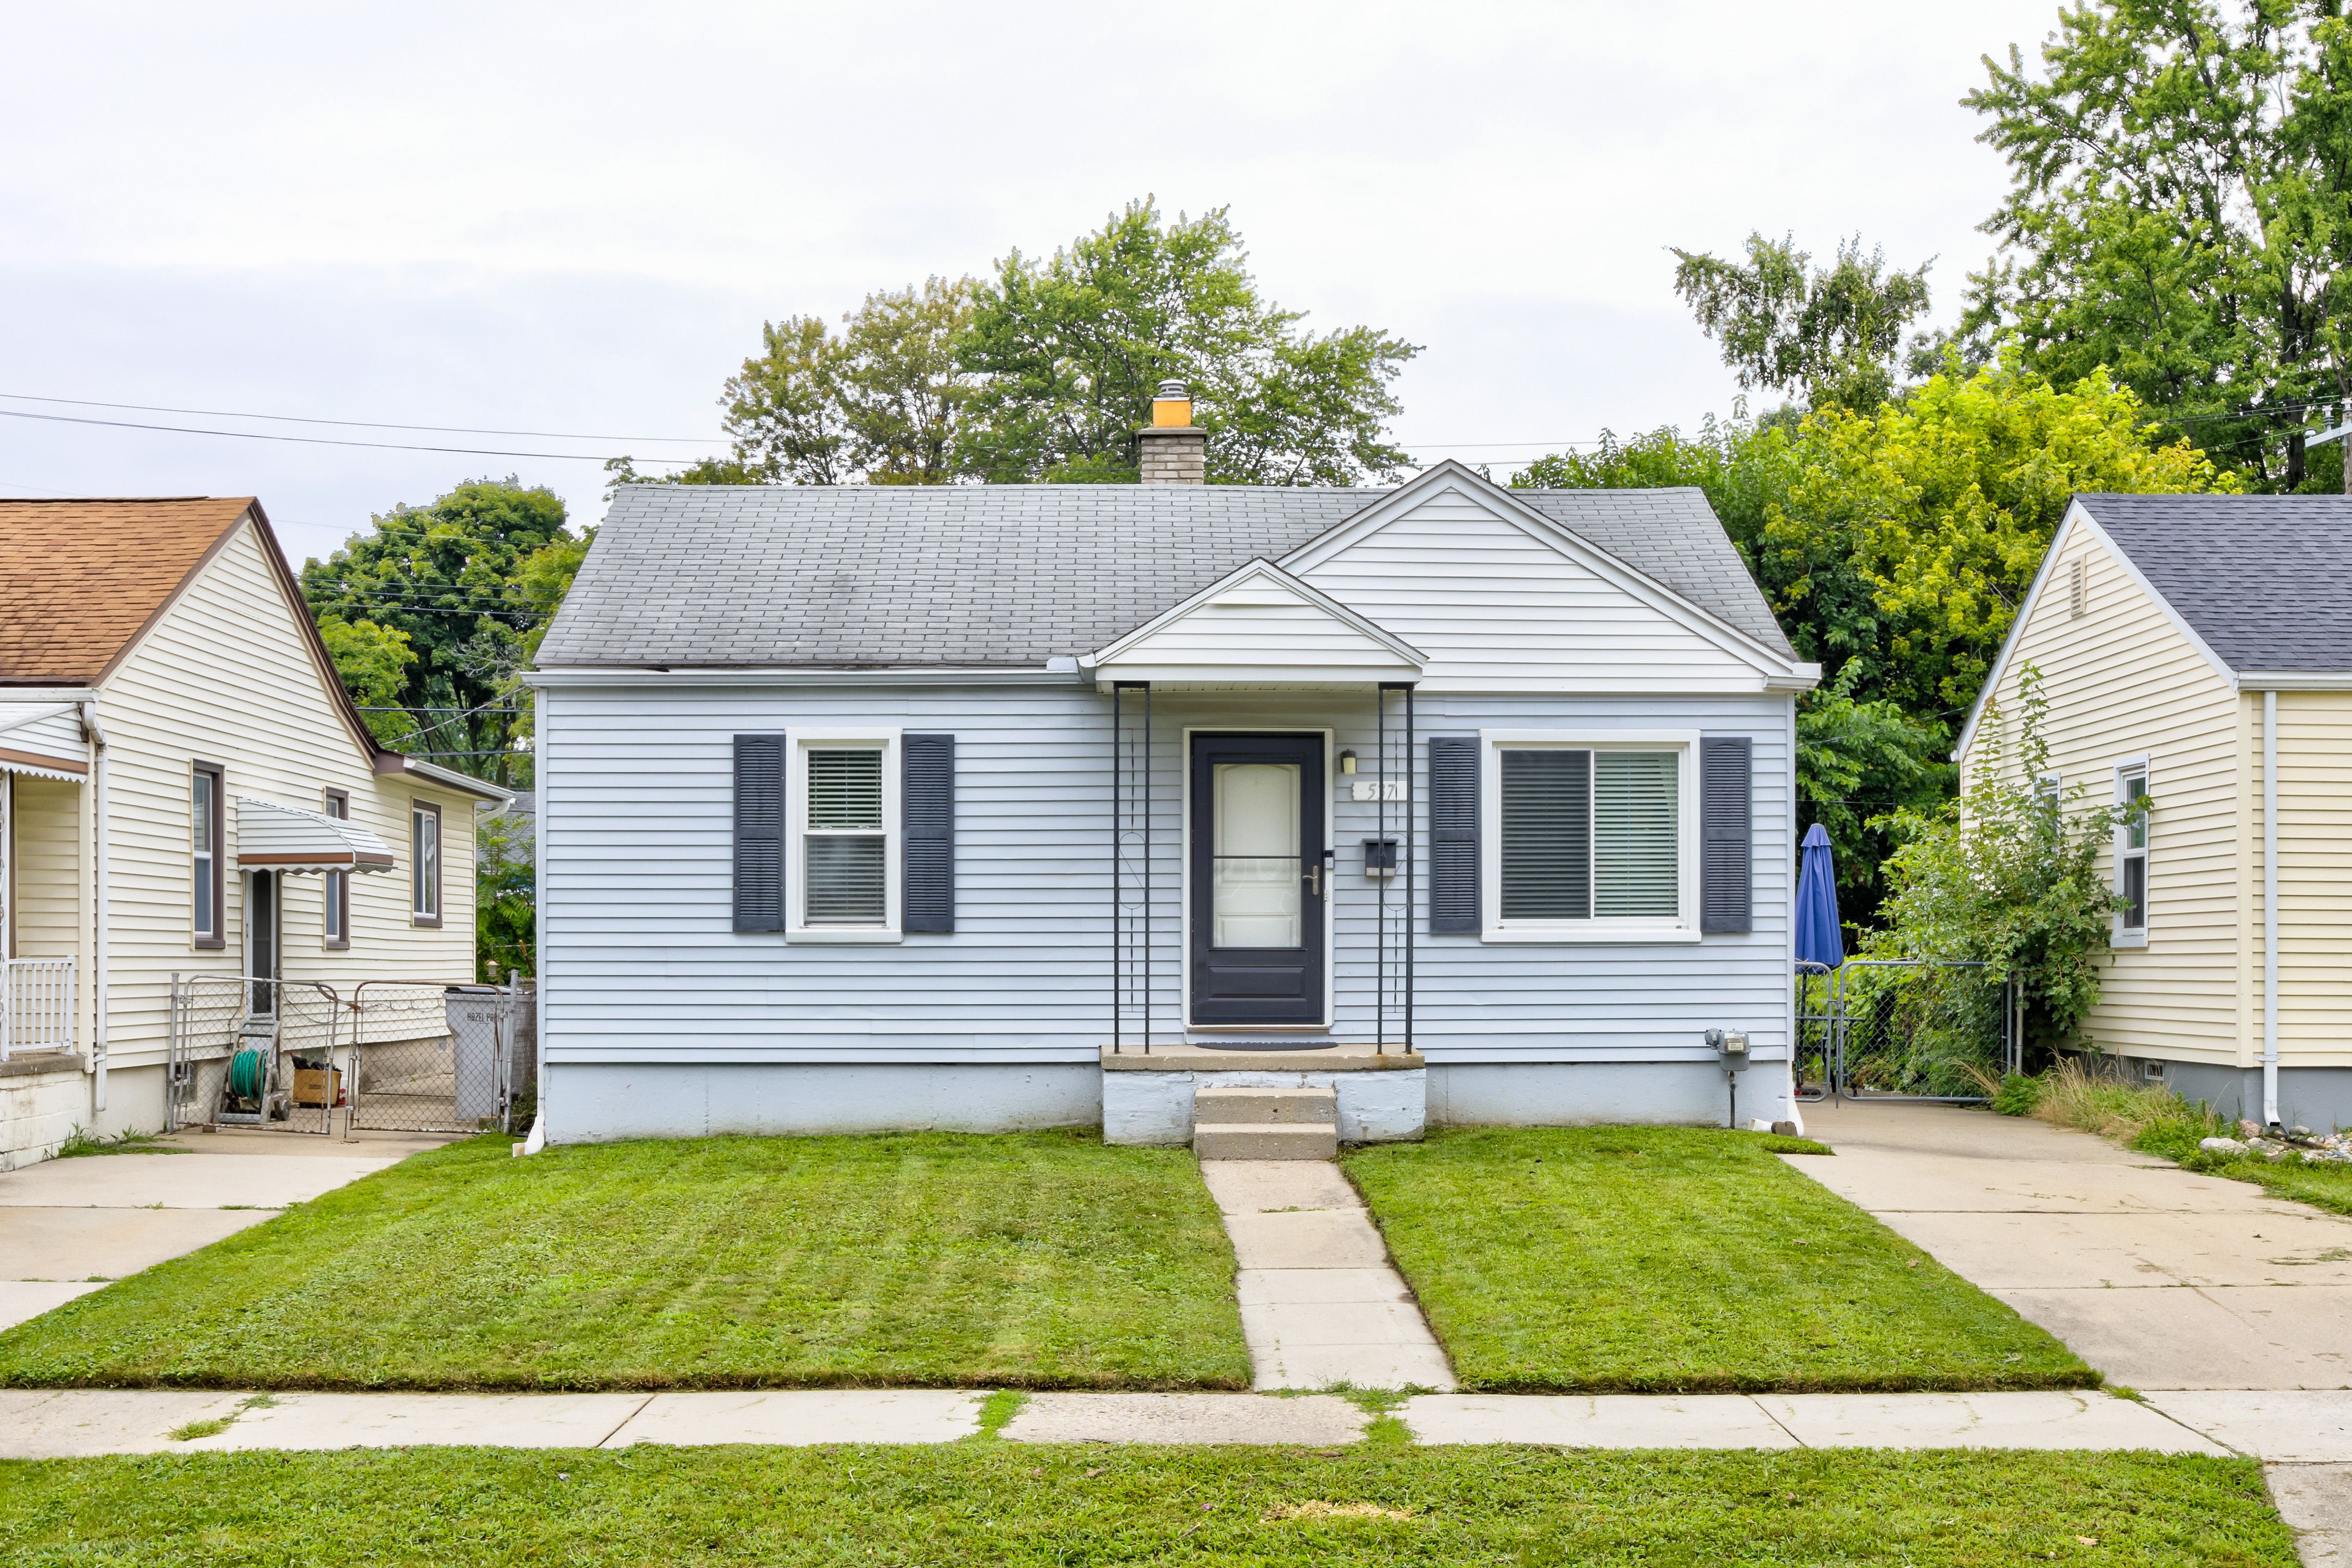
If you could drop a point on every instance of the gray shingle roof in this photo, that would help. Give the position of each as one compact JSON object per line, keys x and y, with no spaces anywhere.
{"x":2265,"y":579}
{"x":704,"y":575}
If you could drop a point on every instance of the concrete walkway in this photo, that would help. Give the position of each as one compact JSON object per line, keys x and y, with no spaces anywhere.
{"x":2315,"y":1434}
{"x":67,"y":1227}
{"x":1320,"y":1302}
{"x":2160,"y":1278}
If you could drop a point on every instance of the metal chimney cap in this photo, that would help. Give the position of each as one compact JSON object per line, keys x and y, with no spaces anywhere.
{"x":1172,"y":392}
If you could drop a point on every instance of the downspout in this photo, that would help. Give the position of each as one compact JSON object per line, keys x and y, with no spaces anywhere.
{"x":97,"y":998}
{"x":2270,"y":910}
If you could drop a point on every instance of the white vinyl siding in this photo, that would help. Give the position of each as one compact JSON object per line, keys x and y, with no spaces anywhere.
{"x":1495,"y":608}
{"x":842,"y":859}
{"x":225,"y":675}
{"x":642,"y":964}
{"x":2124,"y":682}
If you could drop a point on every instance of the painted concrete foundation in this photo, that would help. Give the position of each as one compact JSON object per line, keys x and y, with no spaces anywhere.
{"x":589,"y":1103}
{"x":1571,"y":1094}
{"x":1157,"y":1107}
{"x":2319,"y":1098}
{"x":42,"y":1099}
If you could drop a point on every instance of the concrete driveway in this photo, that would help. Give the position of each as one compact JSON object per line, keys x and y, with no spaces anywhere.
{"x":2159,"y":1277}
{"x":67,"y":1227}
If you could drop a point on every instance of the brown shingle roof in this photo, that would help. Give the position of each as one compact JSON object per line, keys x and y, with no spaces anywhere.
{"x":80,"y":580}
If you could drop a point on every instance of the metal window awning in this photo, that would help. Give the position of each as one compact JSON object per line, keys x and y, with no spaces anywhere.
{"x":271,"y":837}
{"x":43,"y":739}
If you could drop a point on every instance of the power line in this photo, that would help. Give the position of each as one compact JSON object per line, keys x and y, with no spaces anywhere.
{"x":354,"y":423}
{"x":324,"y":440}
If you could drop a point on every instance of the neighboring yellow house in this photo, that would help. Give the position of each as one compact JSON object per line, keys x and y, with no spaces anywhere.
{"x":185,"y":788}
{"x":2199,"y":649}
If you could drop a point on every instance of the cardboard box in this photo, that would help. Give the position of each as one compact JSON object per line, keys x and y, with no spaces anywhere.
{"x":317,"y":1086}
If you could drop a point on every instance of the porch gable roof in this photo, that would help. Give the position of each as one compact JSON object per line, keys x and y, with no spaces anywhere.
{"x":1257,"y":626}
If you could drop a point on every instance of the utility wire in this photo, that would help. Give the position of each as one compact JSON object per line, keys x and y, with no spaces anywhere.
{"x":354,"y":423}
{"x":320,"y":440}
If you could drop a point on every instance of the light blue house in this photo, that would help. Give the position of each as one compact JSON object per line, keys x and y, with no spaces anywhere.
{"x":1002,"y":807}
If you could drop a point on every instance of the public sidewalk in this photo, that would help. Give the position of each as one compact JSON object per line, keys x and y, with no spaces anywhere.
{"x":2303,"y":1428}
{"x":67,"y":1227}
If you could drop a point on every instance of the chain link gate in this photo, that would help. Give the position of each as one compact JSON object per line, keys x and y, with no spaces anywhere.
{"x":249,"y":1053}
{"x":1909,"y":1029}
{"x":437,"y":1059}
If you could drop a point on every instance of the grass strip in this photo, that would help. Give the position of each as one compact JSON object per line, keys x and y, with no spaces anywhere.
{"x":1013,"y":1504}
{"x":1008,"y":1503}
{"x":1658,"y":1259}
{"x":1043,"y":1259}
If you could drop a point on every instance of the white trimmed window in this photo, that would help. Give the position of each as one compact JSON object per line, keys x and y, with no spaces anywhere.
{"x":2131,"y":854}
{"x":1590,"y":836}
{"x":424,"y":864}
{"x":842,"y":865}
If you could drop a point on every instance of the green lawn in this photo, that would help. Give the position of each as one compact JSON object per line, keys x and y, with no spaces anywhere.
{"x":1659,"y":1258}
{"x":984,"y":1502}
{"x":1039,"y":1260}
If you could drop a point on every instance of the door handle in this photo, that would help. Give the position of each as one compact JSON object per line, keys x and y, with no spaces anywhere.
{"x":1313,"y":876}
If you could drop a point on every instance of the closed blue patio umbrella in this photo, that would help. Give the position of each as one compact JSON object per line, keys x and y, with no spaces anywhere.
{"x":1818,"y":938}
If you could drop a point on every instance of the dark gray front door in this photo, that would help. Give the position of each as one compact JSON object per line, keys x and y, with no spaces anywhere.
{"x":1258,"y":879}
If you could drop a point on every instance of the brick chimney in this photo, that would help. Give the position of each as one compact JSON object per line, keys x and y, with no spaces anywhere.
{"x":1172,"y":449}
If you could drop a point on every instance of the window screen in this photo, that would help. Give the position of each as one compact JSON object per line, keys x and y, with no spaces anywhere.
{"x":2131,"y":856}
{"x":1590,"y":835}
{"x":847,"y":859}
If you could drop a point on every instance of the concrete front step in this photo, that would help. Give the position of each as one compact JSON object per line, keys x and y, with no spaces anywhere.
{"x":1300,"y":1107}
{"x":1260,"y":1141}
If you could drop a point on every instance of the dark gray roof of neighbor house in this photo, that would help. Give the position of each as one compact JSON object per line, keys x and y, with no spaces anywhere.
{"x":2265,"y":579}
{"x":865,"y":575}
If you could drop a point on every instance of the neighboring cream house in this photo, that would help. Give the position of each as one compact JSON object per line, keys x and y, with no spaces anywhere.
{"x":2199,"y":649}
{"x":185,"y":788}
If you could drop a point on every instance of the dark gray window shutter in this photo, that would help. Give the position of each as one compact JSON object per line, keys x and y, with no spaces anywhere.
{"x":758,"y":833}
{"x":1726,"y":814}
{"x":1454,"y":833}
{"x":926,"y":807}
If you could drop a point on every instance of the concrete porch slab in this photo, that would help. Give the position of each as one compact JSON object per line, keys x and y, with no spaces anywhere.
{"x":2279,"y":1425}
{"x":2052,"y":1420}
{"x":1317,"y":1420}
{"x":1594,"y":1421}
{"x":800,"y":1418}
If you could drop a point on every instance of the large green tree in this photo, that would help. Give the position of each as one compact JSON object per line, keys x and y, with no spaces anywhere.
{"x":2181,"y":213}
{"x":1831,"y":335}
{"x":1896,"y":544}
{"x":1070,"y":348}
{"x":431,"y":614}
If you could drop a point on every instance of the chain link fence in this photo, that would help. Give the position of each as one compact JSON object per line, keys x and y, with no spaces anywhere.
{"x":1902,"y":1028}
{"x":246,"y":1052}
{"x":392,"y":1056}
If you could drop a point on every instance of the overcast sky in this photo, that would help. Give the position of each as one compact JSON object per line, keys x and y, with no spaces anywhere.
{"x":573,"y":219}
